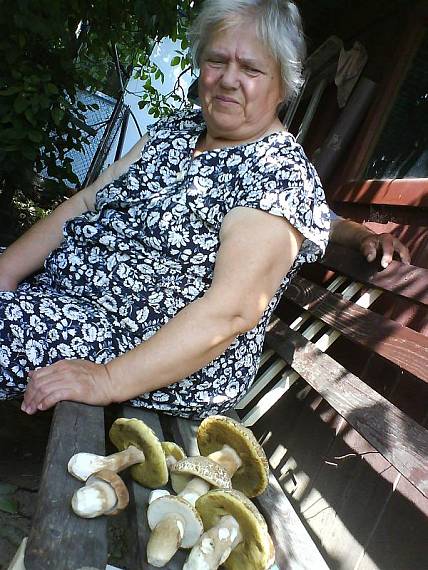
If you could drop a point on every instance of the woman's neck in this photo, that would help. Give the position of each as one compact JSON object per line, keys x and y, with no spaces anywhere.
{"x":208,"y":141}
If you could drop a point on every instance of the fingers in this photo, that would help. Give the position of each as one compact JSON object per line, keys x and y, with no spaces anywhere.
{"x":403,"y":251}
{"x":74,"y":380}
{"x":386,"y":245}
{"x":47,"y":386}
{"x":369,"y":247}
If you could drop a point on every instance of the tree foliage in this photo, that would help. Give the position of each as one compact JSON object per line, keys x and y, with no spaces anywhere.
{"x":49,"y":51}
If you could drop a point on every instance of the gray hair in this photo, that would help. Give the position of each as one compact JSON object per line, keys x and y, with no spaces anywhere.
{"x":278,"y":26}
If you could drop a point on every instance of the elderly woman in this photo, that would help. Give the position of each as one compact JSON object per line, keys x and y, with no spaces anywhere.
{"x":159,"y":279}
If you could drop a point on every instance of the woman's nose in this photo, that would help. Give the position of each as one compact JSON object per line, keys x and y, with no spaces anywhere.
{"x":230,"y":77}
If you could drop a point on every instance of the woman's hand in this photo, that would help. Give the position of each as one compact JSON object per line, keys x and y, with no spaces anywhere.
{"x":75,"y":380}
{"x":386,"y":245}
{"x":357,"y":236}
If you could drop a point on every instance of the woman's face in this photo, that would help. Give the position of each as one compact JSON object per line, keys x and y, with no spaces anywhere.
{"x":239,"y":85}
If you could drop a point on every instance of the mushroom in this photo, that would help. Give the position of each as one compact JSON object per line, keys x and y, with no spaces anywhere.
{"x":153,"y":472}
{"x":193,"y":476}
{"x":172,"y":452}
{"x":174,"y":523}
{"x":82,"y":464}
{"x":103,"y":494}
{"x":234,"y":446}
{"x":237,"y":534}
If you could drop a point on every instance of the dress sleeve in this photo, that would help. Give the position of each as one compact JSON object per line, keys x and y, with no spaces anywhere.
{"x":282,"y":182}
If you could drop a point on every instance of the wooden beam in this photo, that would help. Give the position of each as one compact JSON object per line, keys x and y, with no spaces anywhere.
{"x":406,"y":281}
{"x":398,"y":344}
{"x":59,"y":539}
{"x":402,"y":441}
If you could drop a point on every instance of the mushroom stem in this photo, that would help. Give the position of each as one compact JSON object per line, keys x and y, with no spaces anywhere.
{"x":170,"y":460}
{"x":194,"y":489}
{"x":94,"y":499}
{"x":165,"y":539}
{"x":227,"y":458}
{"x":82,"y":465}
{"x":215,"y":545}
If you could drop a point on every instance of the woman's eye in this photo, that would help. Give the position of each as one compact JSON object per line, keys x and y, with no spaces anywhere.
{"x":252,"y":70}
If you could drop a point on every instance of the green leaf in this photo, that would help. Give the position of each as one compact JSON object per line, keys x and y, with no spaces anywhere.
{"x":8,"y":505}
{"x":20,"y":104}
{"x":57,"y":115}
{"x":51,"y":88}
{"x":10,"y":91}
{"x":175,"y":60}
{"x":35,"y":136}
{"x":7,"y":488}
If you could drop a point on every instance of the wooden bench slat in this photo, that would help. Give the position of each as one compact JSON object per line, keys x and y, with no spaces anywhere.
{"x":401,"y":440}
{"x":406,"y":281}
{"x":294,"y":549}
{"x":59,"y":539}
{"x":400,"y":345}
{"x":139,"y":500}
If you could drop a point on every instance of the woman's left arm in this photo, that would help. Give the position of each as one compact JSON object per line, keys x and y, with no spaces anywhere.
{"x":257,"y":249}
{"x":357,"y":236}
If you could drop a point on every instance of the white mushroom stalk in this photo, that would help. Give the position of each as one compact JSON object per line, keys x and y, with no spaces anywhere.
{"x":214,"y":546}
{"x":228,"y":458}
{"x":194,"y":489}
{"x":82,"y":465}
{"x":174,"y":523}
{"x":192,"y":477}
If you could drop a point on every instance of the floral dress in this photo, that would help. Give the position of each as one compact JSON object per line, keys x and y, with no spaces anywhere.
{"x":148,"y":249}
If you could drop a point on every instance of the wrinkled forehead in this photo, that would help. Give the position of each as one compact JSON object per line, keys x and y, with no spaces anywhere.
{"x":238,"y":36}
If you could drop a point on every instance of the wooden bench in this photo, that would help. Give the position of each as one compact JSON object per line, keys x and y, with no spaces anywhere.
{"x":60,"y":540}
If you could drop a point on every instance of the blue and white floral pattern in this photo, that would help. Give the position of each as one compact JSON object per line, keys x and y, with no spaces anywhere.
{"x":148,"y":249}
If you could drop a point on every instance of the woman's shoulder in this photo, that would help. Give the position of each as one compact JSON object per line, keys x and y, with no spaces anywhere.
{"x":181,"y":120}
{"x":280,"y":155}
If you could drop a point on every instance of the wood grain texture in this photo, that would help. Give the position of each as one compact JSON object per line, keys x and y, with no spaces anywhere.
{"x":402,"y":441}
{"x":402,"y":280}
{"x":400,"y":345}
{"x":59,"y":539}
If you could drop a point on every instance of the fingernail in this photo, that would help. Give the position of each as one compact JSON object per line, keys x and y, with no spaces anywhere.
{"x":23,"y":407}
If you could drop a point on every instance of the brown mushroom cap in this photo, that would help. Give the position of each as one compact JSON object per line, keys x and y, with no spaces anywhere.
{"x":118,"y":485}
{"x":216,"y":431}
{"x":88,"y":505}
{"x":203,"y":467}
{"x":256,"y":551}
{"x":172,"y":449}
{"x":153,"y":472}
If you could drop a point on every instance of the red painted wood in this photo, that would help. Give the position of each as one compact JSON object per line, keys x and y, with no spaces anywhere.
{"x":398,"y":344}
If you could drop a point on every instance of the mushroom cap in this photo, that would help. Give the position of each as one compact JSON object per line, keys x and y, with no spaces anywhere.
{"x":216,"y":431}
{"x":170,"y":504}
{"x":153,"y":472}
{"x":172,"y":449}
{"x":202,"y":467}
{"x":83,"y":505}
{"x":256,"y":551}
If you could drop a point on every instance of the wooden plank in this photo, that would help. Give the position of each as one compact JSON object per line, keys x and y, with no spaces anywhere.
{"x":294,"y":548}
{"x":400,"y":345}
{"x":411,"y":192}
{"x":402,"y":441}
{"x":405,"y":281}
{"x":139,"y":500}
{"x":59,"y":539}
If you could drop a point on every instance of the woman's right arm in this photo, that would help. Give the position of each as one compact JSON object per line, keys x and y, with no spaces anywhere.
{"x":28,"y":253}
